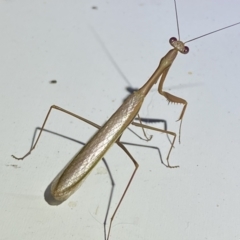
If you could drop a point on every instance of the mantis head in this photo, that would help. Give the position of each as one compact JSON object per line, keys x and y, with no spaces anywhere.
{"x":178,"y":45}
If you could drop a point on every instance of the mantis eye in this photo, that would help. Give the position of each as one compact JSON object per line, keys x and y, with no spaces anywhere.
{"x":172,"y":40}
{"x":186,"y":50}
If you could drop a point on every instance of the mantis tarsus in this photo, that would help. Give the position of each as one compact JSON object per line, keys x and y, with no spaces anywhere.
{"x":70,"y":178}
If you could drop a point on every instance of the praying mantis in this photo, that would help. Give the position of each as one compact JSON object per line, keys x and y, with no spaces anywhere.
{"x":70,"y":178}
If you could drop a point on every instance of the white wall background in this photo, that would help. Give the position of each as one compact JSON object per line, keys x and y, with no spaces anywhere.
{"x":64,"y":40}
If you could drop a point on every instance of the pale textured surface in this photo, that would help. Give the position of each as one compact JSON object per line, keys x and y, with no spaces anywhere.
{"x":46,"y":40}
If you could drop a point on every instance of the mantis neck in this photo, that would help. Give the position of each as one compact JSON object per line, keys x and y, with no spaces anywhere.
{"x":162,"y":69}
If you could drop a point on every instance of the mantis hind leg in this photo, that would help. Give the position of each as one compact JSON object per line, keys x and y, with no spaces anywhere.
{"x":136,"y":165}
{"x":44,"y":123}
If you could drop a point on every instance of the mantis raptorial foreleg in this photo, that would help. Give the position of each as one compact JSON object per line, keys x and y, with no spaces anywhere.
{"x":172,"y":99}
